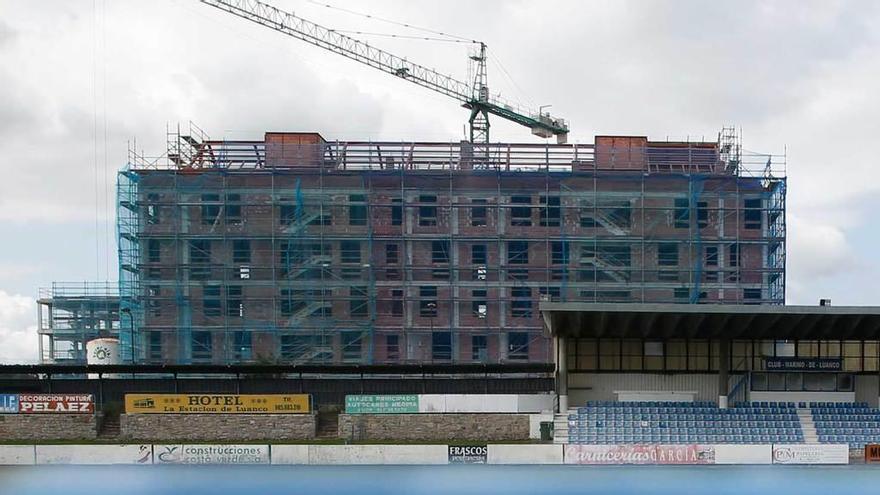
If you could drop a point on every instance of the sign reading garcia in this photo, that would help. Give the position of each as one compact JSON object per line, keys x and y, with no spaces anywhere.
{"x":803,"y":364}
{"x":381,"y":404}
{"x":216,"y":404}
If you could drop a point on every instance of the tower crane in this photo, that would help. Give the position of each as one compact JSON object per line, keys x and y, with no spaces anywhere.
{"x":473,"y":96}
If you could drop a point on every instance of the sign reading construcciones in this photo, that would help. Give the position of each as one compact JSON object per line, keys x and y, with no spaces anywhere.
{"x":8,"y":403}
{"x":210,"y":454}
{"x":216,"y":404}
{"x":56,"y":403}
{"x":639,"y":454}
{"x":381,"y":404}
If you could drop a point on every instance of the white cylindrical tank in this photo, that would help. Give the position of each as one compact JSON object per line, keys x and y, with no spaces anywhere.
{"x":102,"y":351}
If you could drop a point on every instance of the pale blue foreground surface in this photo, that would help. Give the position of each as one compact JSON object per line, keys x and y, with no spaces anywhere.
{"x":453,"y":480}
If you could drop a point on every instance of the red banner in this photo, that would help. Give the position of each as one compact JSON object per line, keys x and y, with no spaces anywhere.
{"x":639,"y":454}
{"x":56,"y":403}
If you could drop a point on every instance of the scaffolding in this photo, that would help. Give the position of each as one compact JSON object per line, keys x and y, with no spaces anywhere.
{"x":298,"y":250}
{"x":69,"y":314}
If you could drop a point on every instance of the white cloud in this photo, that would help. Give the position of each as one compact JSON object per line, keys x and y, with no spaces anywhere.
{"x":18,"y":329}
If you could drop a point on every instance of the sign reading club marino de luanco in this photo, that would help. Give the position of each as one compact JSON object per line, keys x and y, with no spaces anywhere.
{"x":216,"y":404}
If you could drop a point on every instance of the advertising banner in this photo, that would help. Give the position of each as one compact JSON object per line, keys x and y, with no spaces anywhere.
{"x":381,"y":404}
{"x":211,"y":454}
{"x":56,"y":403}
{"x":639,"y":454}
{"x":467,"y":454}
{"x":216,"y":404}
{"x":8,"y":403}
{"x":94,"y":454}
{"x":872,"y":453}
{"x":811,"y":454}
{"x":803,"y":364}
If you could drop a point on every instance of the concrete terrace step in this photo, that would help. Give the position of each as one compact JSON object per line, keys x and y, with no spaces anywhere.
{"x":805,"y":416}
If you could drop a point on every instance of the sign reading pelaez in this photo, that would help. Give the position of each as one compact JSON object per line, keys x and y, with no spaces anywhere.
{"x":56,"y":403}
{"x":216,"y":404}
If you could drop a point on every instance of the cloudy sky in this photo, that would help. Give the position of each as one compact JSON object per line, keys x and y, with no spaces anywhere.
{"x":79,"y":80}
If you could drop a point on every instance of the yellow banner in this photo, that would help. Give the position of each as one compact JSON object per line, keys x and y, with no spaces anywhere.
{"x":216,"y":404}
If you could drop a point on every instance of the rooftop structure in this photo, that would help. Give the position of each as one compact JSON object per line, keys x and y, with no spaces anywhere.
{"x":71,"y":314}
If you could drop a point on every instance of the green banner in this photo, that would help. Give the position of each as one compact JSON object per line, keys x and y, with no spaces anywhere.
{"x":381,"y":404}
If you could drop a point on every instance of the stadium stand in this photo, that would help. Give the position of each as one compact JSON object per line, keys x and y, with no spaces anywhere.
{"x":846,"y":422}
{"x":610,"y":422}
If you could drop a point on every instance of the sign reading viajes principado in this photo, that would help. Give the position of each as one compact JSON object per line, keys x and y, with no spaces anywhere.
{"x":216,"y":404}
{"x":381,"y":404}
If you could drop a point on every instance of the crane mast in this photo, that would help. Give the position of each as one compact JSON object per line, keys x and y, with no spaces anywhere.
{"x":474,"y":97}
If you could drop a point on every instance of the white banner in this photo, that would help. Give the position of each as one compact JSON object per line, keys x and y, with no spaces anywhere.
{"x":743,"y":454}
{"x":524,"y":454}
{"x":811,"y":454}
{"x":639,"y":454}
{"x":210,"y":454}
{"x":94,"y":454}
{"x":16,"y":455}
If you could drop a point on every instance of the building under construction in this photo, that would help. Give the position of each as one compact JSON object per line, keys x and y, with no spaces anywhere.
{"x":294,"y":249}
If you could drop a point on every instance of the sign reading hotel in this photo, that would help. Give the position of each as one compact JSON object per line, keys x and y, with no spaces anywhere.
{"x":639,"y":454}
{"x":56,"y":403}
{"x":381,"y":404}
{"x":803,"y":364}
{"x":216,"y":404}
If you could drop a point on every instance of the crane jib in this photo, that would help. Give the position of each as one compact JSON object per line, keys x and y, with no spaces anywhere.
{"x":473,"y":96}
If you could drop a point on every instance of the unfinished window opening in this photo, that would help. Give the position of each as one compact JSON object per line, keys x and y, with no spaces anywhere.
{"x":479,"y":305}
{"x":357,"y":209}
{"x":428,"y":211}
{"x":559,"y":252}
{"x":154,"y":251}
{"x":397,"y":303}
{"x":441,"y":346}
{"x":357,"y":303}
{"x":352,"y":346}
{"x":479,"y":348}
{"x":202,"y":350}
{"x":752,"y":296}
{"x":153,"y":209}
{"x":241,"y":251}
{"x":521,"y":302}
{"x":200,"y":259}
{"x":551,"y":213}
{"x":428,"y":301}
{"x":392,"y":347}
{"x":154,"y":293}
{"x":440,"y":255}
{"x":478,"y":213}
{"x":242,"y":346}
{"x":517,"y":346}
{"x":350,"y":251}
{"x":211,"y":305}
{"x":711,"y":262}
{"x":517,"y":252}
{"x":234,"y":301}
{"x":752,"y":214}
{"x":233,"y":209}
{"x":396,"y":211}
{"x":702,"y":214}
{"x":154,"y":347}
{"x":521,"y":216}
{"x":682,"y":213}
{"x":210,"y":206}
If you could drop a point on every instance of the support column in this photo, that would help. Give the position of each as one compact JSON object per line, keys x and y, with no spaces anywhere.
{"x":562,"y":374}
{"x":723,"y":372}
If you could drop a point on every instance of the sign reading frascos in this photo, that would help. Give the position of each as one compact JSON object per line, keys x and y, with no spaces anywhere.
{"x":216,"y":404}
{"x":381,"y":404}
{"x":639,"y":454}
{"x":56,"y":403}
{"x":210,"y":454}
{"x":468,"y":454}
{"x":811,"y":454}
{"x":8,"y":403}
{"x":803,"y":364}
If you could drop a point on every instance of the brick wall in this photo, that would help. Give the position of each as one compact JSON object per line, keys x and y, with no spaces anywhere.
{"x":48,"y":427}
{"x":434,"y":427}
{"x":219,"y":427}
